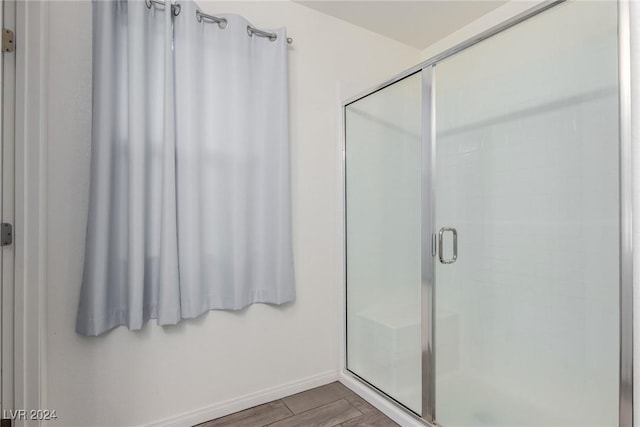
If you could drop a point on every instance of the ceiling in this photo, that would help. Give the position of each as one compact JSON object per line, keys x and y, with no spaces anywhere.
{"x":417,"y":23}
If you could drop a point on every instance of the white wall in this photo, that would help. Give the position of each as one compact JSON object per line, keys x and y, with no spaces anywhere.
{"x":126,"y":378}
{"x":486,"y":22}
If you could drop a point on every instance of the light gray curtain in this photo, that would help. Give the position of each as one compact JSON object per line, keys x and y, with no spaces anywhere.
{"x":190,"y":195}
{"x":234,"y":216}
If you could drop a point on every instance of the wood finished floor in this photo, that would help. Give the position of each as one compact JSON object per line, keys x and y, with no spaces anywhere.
{"x":330,"y":405}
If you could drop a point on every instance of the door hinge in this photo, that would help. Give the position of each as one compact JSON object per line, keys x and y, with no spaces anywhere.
{"x":8,"y":40}
{"x":6,"y":234}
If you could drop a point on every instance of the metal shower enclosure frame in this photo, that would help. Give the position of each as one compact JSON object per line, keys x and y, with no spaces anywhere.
{"x":427,"y":172}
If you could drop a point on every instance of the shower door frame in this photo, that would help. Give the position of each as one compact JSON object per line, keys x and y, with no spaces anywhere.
{"x":427,"y":232}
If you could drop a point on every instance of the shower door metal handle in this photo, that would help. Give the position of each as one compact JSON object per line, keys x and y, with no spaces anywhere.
{"x":455,"y":245}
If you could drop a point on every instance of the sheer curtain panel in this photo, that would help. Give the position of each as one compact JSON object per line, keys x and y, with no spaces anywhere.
{"x":234,"y":216}
{"x":189,"y":199}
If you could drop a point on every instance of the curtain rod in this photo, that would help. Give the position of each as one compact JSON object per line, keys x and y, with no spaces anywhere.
{"x":222,"y":22}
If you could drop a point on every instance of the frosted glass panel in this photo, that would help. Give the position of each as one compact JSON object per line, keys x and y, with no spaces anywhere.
{"x":383,"y":240}
{"x":527,"y":172}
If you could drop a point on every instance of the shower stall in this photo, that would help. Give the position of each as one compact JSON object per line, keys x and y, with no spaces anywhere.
{"x":487,"y":212}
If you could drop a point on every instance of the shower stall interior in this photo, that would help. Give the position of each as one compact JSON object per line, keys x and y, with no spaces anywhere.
{"x":487,"y":248}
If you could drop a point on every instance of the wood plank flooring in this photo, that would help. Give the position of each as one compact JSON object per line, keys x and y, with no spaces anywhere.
{"x":330,"y":405}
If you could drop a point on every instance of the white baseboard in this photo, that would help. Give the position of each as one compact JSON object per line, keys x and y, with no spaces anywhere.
{"x":385,"y":406}
{"x":217,"y":410}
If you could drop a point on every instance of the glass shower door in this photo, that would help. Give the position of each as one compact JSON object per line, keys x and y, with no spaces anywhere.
{"x":382,"y":158}
{"x":527,"y":314}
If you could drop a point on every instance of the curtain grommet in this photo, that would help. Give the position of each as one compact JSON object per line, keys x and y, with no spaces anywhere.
{"x":271,"y":36}
{"x":203,"y":17}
